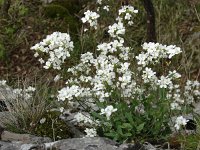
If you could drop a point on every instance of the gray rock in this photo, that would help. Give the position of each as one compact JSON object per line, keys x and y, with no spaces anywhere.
{"x":9,"y":145}
{"x":96,"y":143}
{"x":197,"y":108}
{"x":24,"y":138}
{"x":6,"y":93}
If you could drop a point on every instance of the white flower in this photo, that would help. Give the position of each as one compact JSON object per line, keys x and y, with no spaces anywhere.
{"x":180,"y":121}
{"x":57,"y":78}
{"x":142,"y":59}
{"x":69,"y":92}
{"x":42,"y":120}
{"x":108,"y":111}
{"x":116,"y":29}
{"x":106,"y":8}
{"x":3,"y":82}
{"x":91,"y":18}
{"x":86,"y":119}
{"x":173,"y":50}
{"x":99,"y":2}
{"x":85,"y":30}
{"x":127,"y":13}
{"x":127,"y":9}
{"x":61,"y":109}
{"x":36,"y":54}
{"x":30,"y":89}
{"x":174,"y":74}
{"x":130,"y":23}
{"x":148,"y":75}
{"x":17,"y":91}
{"x":164,"y":82}
{"x":127,"y":16}
{"x":175,"y":106}
{"x":90,"y":132}
{"x":41,"y":60}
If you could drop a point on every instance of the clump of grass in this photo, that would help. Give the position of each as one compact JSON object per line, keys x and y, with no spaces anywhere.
{"x":33,"y":115}
{"x":24,"y":113}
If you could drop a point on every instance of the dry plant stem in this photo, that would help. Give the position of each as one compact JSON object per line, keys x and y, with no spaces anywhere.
{"x":5,"y":7}
{"x":184,"y":56}
{"x":198,"y":17}
{"x":198,"y":147}
{"x":159,"y":20}
{"x":53,"y":130}
{"x":81,"y":40}
{"x":151,"y":29}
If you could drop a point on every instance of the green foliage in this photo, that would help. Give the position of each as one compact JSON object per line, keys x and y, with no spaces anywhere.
{"x":53,"y":11}
{"x":1,"y":2}
{"x":191,"y":141}
{"x":2,"y":51}
{"x":53,"y":126}
{"x":71,"y":6}
{"x":59,"y":11}
{"x":18,"y":9}
{"x":23,"y":10}
{"x":129,"y":124}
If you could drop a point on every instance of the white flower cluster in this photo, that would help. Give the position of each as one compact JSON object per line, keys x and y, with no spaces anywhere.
{"x":192,"y":89}
{"x":116,"y":30}
{"x":86,"y":119}
{"x":126,"y":13}
{"x":155,"y":51}
{"x":180,"y":121}
{"x":90,"y":132}
{"x":165,"y":82}
{"x":93,"y":75}
{"x":112,"y":69}
{"x":108,"y":111}
{"x":91,"y":18}
{"x":149,"y":76}
{"x":99,"y":2}
{"x":24,"y":93}
{"x":190,"y":92}
{"x":57,"y":46}
{"x":103,"y":5}
{"x":69,"y":92}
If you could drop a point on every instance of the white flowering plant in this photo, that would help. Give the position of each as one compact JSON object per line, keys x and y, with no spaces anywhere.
{"x":117,"y":91}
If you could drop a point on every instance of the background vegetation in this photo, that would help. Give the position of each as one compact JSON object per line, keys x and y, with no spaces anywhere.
{"x":28,"y":21}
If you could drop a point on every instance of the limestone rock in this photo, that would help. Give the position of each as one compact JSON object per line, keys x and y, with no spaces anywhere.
{"x":9,"y":145}
{"x":23,"y":138}
{"x":6,"y":93}
{"x":96,"y":143}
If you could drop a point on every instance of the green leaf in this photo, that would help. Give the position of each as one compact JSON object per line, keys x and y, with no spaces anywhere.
{"x":129,"y":117}
{"x":126,"y":126}
{"x":111,"y":134}
{"x":128,"y":134}
{"x":140,"y":127}
{"x":119,"y":130}
{"x":97,"y":115}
